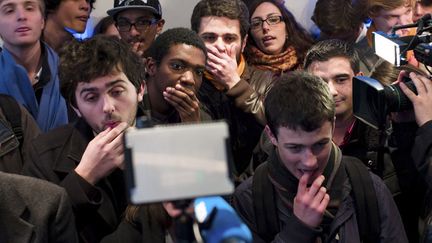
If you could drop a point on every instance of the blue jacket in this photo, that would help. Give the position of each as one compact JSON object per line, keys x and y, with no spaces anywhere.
{"x":51,"y":112}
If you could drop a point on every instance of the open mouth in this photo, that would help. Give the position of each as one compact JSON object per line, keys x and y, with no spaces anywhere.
{"x":267,"y":39}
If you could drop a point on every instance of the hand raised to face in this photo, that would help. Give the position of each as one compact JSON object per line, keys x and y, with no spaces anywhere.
{"x":103,"y":154}
{"x":310,"y":202}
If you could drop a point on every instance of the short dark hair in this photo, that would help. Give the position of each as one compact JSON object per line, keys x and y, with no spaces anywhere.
{"x":52,"y":5}
{"x":161,"y":45}
{"x":339,"y":17}
{"x":327,"y":49}
{"x":101,"y":55}
{"x":299,"y":100}
{"x":298,"y":37}
{"x":425,"y":3}
{"x":103,"y":25}
{"x":232,"y":9}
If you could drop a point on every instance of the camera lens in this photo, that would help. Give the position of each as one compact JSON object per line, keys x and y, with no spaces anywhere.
{"x":396,"y":99}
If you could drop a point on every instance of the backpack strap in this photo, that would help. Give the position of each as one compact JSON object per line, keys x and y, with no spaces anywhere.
{"x":12,"y":113}
{"x":264,"y":204}
{"x":365,"y":199}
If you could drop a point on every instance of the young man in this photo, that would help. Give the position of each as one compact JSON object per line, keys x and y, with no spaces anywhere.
{"x":86,"y":157}
{"x":386,"y":14}
{"x":175,"y":68}
{"x":64,"y":17}
{"x":29,"y":67}
{"x":231,"y":89}
{"x":138,"y":21}
{"x":306,"y":183}
{"x":337,"y":62}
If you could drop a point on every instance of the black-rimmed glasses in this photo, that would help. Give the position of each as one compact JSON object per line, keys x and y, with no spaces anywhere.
{"x":124,"y":25}
{"x":256,"y":23}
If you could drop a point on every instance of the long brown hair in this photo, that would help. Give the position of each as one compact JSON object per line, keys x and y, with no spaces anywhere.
{"x":298,"y":37}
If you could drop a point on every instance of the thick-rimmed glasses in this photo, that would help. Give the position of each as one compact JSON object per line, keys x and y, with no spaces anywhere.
{"x":124,"y":25}
{"x":256,"y":23}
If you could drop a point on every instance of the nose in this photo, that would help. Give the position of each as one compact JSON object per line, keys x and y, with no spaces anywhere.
{"x":21,"y":14}
{"x":332,"y":88}
{"x":309,"y":159}
{"x":188,"y":79}
{"x":220,"y":45}
{"x":133,"y":31}
{"x":84,"y":5}
{"x":108,"y":105}
{"x":265,"y":26}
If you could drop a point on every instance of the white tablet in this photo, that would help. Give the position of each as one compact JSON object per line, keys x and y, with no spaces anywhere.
{"x":165,"y":163}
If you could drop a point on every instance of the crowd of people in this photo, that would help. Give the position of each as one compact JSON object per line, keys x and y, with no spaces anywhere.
{"x":306,"y":169}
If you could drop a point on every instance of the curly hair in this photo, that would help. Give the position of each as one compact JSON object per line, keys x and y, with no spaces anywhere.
{"x":232,"y":9}
{"x":160,"y":47}
{"x":92,"y":58}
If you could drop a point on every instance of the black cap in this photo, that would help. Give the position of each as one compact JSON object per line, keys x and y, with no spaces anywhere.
{"x":149,"y":5}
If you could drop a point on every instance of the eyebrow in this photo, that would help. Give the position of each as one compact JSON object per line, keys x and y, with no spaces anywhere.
{"x":326,"y":139}
{"x":342,"y":75}
{"x":8,"y":4}
{"x":108,"y":85}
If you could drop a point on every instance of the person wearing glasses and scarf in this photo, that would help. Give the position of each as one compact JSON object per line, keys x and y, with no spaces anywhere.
{"x":276,"y":41}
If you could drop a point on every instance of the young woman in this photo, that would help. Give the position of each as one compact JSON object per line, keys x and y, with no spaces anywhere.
{"x":276,"y":41}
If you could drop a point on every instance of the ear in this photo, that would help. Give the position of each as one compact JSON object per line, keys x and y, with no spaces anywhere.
{"x":76,"y":111}
{"x":270,"y":135}
{"x":359,"y":74}
{"x":244,"y":43}
{"x":160,"y":26}
{"x":141,"y":91}
{"x":43,"y":23}
{"x":151,"y":66}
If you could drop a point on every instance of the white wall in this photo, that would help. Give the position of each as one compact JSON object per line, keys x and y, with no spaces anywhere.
{"x":177,"y":12}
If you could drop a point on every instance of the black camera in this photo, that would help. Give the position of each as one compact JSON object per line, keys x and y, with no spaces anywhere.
{"x":372,"y":101}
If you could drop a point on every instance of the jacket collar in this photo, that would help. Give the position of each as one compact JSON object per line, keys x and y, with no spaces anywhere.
{"x":74,"y":147}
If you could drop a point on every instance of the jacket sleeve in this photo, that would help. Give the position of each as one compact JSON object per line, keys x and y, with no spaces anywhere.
{"x":64,"y":223}
{"x":249,"y":94}
{"x":84,"y":197}
{"x":293,"y":231}
{"x":422,"y":152}
{"x":392,"y":229}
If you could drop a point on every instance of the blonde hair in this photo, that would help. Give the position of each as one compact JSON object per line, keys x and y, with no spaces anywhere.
{"x":374,"y":6}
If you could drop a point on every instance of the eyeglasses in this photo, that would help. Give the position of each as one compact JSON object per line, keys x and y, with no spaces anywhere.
{"x":124,"y":25}
{"x":270,"y":20}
